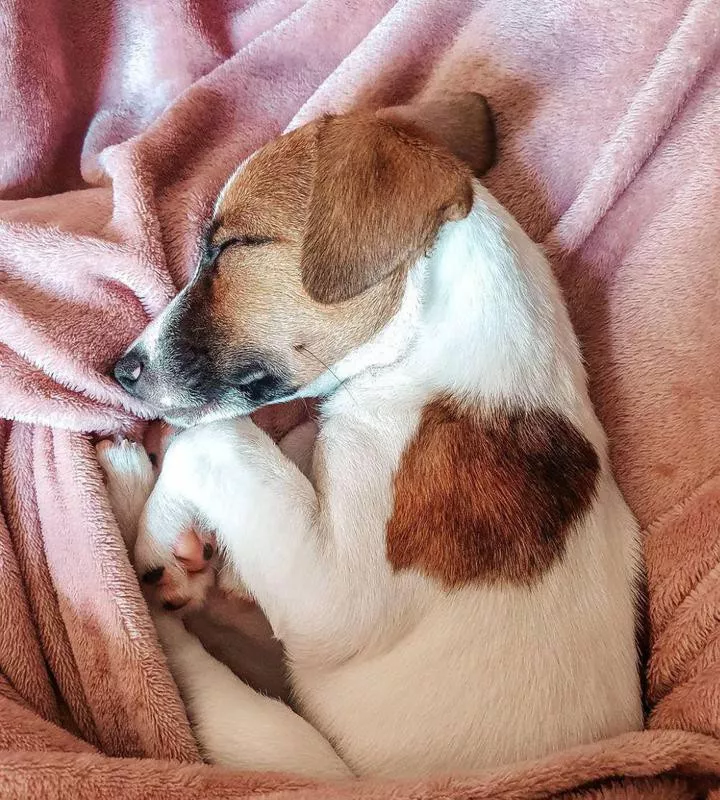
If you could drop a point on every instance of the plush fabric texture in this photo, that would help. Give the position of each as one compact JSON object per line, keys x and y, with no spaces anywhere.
{"x":120,"y":121}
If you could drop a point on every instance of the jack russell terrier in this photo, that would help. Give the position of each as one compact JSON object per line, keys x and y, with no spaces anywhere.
{"x":446,"y":558}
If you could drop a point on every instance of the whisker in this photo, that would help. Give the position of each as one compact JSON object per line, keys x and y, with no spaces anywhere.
{"x":341,"y":384}
{"x":307,"y":408}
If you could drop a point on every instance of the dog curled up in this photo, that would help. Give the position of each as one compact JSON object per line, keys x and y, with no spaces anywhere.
{"x":444,"y":553}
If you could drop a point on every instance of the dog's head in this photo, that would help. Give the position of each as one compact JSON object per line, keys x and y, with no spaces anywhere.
{"x":307,"y":254}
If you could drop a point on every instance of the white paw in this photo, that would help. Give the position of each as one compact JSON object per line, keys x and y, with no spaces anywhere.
{"x":176,"y":554}
{"x":129,"y":479}
{"x":124,"y":460}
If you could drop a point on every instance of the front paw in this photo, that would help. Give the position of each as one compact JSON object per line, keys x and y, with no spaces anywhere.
{"x":175,"y":558}
{"x":176,"y":552}
{"x":129,"y":479}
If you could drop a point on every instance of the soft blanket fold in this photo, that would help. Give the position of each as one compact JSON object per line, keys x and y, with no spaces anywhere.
{"x":120,"y":122}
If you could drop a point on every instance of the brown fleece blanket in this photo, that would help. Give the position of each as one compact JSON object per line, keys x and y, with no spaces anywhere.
{"x":119,"y":122}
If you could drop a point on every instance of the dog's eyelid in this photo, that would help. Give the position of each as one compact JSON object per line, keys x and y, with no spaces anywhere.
{"x":212,"y":250}
{"x":242,"y":241}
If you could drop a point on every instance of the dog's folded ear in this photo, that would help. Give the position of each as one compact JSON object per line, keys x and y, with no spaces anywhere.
{"x":380,"y":192}
{"x":383,"y":185}
{"x":461,"y":122}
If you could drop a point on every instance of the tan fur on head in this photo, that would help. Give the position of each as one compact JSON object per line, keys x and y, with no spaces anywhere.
{"x":259,"y":293}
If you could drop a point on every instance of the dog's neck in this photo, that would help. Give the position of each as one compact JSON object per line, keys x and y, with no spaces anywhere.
{"x":481,"y":318}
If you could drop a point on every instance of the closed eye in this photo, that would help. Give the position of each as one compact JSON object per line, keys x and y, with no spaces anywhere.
{"x":242,"y":241}
{"x":211,"y":250}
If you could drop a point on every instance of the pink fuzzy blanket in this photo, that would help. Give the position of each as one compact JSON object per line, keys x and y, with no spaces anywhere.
{"x":118,"y":124}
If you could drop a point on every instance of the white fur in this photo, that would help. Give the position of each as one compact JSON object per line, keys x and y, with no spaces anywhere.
{"x":130,"y":479}
{"x":402,"y":676}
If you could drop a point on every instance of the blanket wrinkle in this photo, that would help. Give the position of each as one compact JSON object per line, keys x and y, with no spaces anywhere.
{"x":648,"y":117}
{"x":120,"y":124}
{"x":681,"y":505}
{"x":399,"y":57}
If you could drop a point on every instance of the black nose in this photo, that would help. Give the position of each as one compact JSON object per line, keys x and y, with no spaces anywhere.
{"x":128,"y":369}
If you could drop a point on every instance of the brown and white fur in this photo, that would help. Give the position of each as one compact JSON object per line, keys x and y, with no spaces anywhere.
{"x":452,"y":569}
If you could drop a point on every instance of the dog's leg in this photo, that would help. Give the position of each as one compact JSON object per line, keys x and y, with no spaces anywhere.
{"x":129,"y":479}
{"x":298,"y":446}
{"x":236,"y":726}
{"x":235,"y":480}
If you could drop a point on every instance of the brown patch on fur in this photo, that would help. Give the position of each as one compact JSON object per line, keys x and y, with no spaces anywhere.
{"x":489,"y":497}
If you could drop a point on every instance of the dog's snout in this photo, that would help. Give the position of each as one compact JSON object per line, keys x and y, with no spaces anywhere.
{"x":128,"y":369}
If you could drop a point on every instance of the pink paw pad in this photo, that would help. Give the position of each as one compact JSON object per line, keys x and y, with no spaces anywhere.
{"x":186,"y":581}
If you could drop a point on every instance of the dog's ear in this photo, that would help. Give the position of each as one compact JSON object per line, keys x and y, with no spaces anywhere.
{"x":381,"y":190}
{"x":462,"y":123}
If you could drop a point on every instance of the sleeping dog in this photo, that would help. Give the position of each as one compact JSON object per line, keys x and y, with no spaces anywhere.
{"x":446,"y":557}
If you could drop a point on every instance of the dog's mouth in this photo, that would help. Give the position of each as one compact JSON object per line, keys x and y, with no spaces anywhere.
{"x":216,"y":409}
{"x":187,"y":417}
